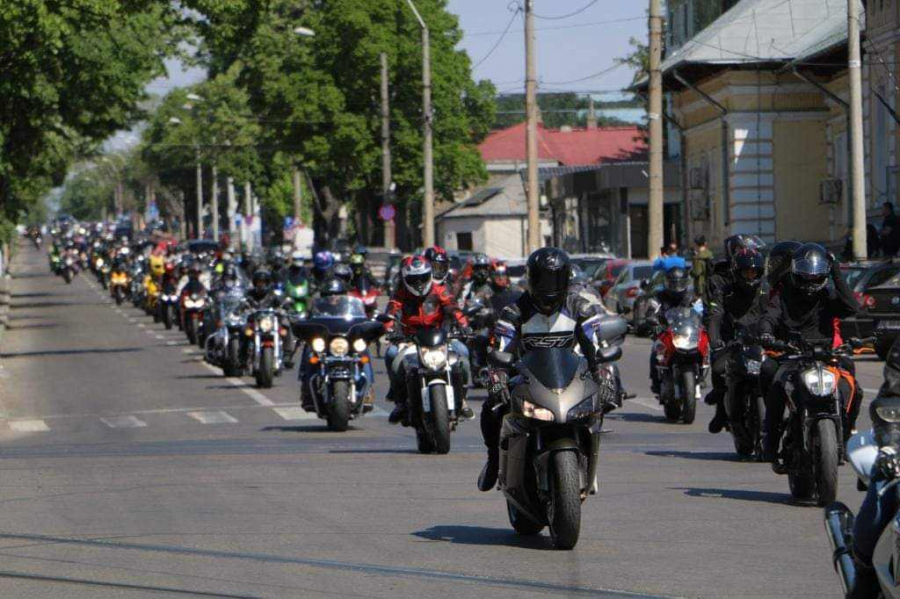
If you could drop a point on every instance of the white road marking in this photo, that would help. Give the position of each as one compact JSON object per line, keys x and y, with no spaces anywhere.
{"x":29,"y":426}
{"x":238,"y":383}
{"x":159,"y":337}
{"x":379,"y":413}
{"x":171,"y":343}
{"x":141,"y":325}
{"x":647,"y":403}
{"x":215,"y":417}
{"x":188,"y":350}
{"x":872,"y":391}
{"x":294,"y":413}
{"x":123,"y":422}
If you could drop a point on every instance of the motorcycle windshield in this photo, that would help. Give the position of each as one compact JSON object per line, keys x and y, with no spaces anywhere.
{"x":554,"y":368}
{"x":686,"y":324}
{"x":339,"y":306}
{"x":231,"y":304}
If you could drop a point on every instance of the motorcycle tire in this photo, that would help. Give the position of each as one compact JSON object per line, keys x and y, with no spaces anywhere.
{"x":339,"y":409}
{"x":564,"y":507}
{"x":266,"y":371}
{"x":118,"y":298}
{"x":67,"y":276}
{"x":423,"y":442}
{"x":521,"y":523}
{"x":191,"y":330}
{"x":233,"y":358}
{"x":440,"y":419}
{"x":168,"y":317}
{"x":689,"y":409}
{"x":672,"y":411}
{"x":825,"y":458}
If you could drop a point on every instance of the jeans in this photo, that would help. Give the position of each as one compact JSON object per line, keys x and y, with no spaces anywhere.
{"x":396,"y":377}
{"x":874,"y":515}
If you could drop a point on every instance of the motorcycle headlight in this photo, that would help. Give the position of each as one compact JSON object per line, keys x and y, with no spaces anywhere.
{"x":889,"y":414}
{"x":339,"y":346}
{"x":434,"y":358}
{"x":318,"y":345}
{"x":234,"y":320}
{"x":583,"y":410}
{"x":686,"y":342}
{"x":69,"y":261}
{"x":753,"y":366}
{"x":99,"y":262}
{"x":529,"y":410}
{"x":266,"y":324}
{"x":359,"y":345}
{"x":819,"y":382}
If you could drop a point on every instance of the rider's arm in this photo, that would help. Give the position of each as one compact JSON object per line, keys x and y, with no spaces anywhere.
{"x":448,"y":304}
{"x":715,"y":310}
{"x":506,"y":329}
{"x":845,"y":303}
{"x":394,"y":309}
{"x":768,"y":324}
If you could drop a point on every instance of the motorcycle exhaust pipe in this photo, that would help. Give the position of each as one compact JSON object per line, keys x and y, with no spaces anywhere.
{"x":838,"y":519}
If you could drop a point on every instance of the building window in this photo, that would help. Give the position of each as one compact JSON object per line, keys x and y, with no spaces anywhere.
{"x":464,"y":242}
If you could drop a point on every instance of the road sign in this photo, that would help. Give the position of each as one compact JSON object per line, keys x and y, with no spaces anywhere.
{"x":238,"y":219}
{"x":387,"y":212}
{"x":288,"y":222}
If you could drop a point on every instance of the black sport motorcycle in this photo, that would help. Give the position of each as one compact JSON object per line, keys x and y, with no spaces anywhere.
{"x":550,"y":440}
{"x":744,"y":402}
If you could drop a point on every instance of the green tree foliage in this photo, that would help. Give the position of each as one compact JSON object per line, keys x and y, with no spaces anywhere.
{"x":73,"y":73}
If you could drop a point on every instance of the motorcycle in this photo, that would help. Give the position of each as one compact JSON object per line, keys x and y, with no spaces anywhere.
{"x":550,"y":439}
{"x":69,"y":267}
{"x":297,"y":297}
{"x":481,"y":317}
{"x":744,"y":402}
{"x":840,"y":521}
{"x":167,"y":305}
{"x":816,"y":428}
{"x":119,"y":287}
{"x":192,"y":305}
{"x":682,"y":361}
{"x":435,"y":386}
{"x":103,"y":272}
{"x":265,"y":333}
{"x":223,"y":347}
{"x":368,"y":295}
{"x":338,"y":333}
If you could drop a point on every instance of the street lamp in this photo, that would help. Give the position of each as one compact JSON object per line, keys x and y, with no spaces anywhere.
{"x":428,"y":150}
{"x":177,"y":121}
{"x":304,"y":31}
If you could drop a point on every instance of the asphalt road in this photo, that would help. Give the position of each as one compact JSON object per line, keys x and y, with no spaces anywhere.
{"x":129,"y":468}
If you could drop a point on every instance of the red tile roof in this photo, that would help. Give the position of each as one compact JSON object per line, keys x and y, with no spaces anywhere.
{"x":578,"y":147}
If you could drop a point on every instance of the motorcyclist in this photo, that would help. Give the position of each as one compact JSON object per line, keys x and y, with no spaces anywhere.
{"x":548,"y":310}
{"x":805,"y":306}
{"x":778,"y":265}
{"x":323,"y":262}
{"x":674,"y":294}
{"x":499,"y":275}
{"x":261,"y":295}
{"x":735,"y":305}
{"x":360,"y":271}
{"x":343,"y":273}
{"x":297,"y":271}
{"x":479,"y":286}
{"x":440,"y":264}
{"x":420,"y":303}
{"x":878,"y":509}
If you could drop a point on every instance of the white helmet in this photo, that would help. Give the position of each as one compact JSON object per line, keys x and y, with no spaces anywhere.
{"x":416,"y":275}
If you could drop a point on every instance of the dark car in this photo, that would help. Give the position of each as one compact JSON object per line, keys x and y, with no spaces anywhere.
{"x":884,"y":311}
{"x":863,"y":277}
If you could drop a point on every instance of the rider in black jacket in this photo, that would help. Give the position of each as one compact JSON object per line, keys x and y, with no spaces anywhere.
{"x":731,"y":305}
{"x":805,"y":306}
{"x":549,"y":314}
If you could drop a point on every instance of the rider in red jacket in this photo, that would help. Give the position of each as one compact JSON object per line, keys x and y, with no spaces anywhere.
{"x":420,"y":303}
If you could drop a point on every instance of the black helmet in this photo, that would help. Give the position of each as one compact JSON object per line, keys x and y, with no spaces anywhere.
{"x":333,"y":286}
{"x":735,"y":243}
{"x":676,"y":281}
{"x":885,"y":414}
{"x":342,"y":271}
{"x":230,"y":275}
{"x":747,"y":268}
{"x":779,"y":260}
{"x":549,"y":270}
{"x":261,"y":279}
{"x":810,"y":267}
{"x":481,"y":268}
{"x":440,"y":263}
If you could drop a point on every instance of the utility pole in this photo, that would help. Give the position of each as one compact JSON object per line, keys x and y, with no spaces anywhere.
{"x":531,"y":131}
{"x":386,"y":175}
{"x":232,"y":206}
{"x":428,"y":150}
{"x":214,"y":203}
{"x":199,"y":230}
{"x":856,"y":133}
{"x":298,"y":194}
{"x":655,"y":237}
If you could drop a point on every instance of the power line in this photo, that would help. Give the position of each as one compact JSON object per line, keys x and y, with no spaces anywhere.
{"x":500,"y":39}
{"x":587,"y":78}
{"x":571,"y":14}
{"x":560,"y":27}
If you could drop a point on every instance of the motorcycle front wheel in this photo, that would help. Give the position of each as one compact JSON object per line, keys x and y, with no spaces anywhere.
{"x":440,"y":419}
{"x":67,"y":275}
{"x":564,"y":508}
{"x":191,"y":330}
{"x":339,"y":409}
{"x":266,"y":371}
{"x":825,"y":458}
{"x":168,"y":316}
{"x":521,"y":523}
{"x":689,"y":409}
{"x":233,"y":358}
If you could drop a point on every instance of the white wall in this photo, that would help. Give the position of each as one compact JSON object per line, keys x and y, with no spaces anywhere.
{"x":496,"y":237}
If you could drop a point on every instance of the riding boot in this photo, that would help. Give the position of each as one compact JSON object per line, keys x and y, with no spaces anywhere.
{"x":398,"y":414}
{"x":770,"y":444}
{"x":487,"y":480}
{"x":720,"y":420}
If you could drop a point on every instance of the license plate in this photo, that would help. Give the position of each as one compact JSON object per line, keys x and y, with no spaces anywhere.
{"x":892,"y":325}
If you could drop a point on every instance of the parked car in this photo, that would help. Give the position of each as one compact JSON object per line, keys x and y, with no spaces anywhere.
{"x":627,"y":285}
{"x":604,"y":277}
{"x":863,"y":277}
{"x":884,"y":310}
{"x":515,"y":268}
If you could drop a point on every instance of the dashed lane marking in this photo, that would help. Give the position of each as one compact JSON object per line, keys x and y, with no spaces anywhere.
{"x":294,"y":413}
{"x":647,"y":403}
{"x":29,"y":426}
{"x":214,"y":417}
{"x":123,"y":422}
{"x":172,"y":342}
{"x":159,"y":337}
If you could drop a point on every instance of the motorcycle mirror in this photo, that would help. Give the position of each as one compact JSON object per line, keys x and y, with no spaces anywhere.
{"x":500,"y":359}
{"x":609,"y":354}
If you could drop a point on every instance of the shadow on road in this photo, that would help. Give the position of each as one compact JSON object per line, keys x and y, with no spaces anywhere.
{"x":375,"y":451}
{"x":740,"y":494}
{"x":636,"y":417}
{"x":50,"y":304}
{"x":481,"y":535}
{"x":719,"y":456}
{"x":306,"y":428}
{"x":37,"y":294}
{"x":201,"y":377}
{"x":70,"y":352}
{"x":41,"y":325}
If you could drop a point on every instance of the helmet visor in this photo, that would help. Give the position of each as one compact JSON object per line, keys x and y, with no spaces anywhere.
{"x":417,"y":283}
{"x":439,"y":269}
{"x":677,"y":284}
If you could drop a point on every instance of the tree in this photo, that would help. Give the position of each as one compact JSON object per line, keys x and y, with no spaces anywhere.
{"x":638,"y":59}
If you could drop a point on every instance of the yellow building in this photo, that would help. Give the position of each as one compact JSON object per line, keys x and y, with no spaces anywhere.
{"x":758,"y":97}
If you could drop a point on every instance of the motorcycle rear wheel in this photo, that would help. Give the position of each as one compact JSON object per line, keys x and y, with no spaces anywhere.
{"x":564,"y":509}
{"x":339,"y":409}
{"x":521,"y":523}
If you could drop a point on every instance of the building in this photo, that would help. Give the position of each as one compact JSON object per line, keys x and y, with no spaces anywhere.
{"x":493,"y":219}
{"x":757,"y":98}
